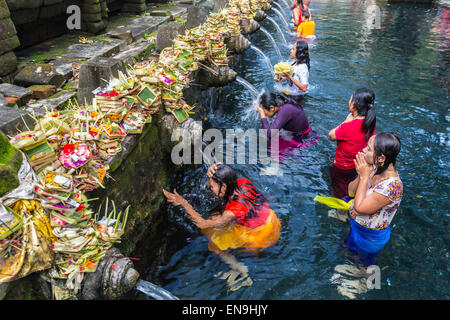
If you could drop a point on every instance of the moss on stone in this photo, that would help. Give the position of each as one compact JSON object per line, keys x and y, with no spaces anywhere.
{"x":10,"y":162}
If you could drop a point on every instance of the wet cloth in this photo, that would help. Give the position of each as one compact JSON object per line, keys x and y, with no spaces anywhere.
{"x":340,"y":179}
{"x":366,"y":243}
{"x":238,"y":236}
{"x":255,"y":226}
{"x":306,"y":29}
{"x":392,"y":188}
{"x":301,"y":74}
{"x":350,"y":141}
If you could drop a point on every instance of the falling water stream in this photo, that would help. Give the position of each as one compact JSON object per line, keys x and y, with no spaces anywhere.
{"x":281,"y":9}
{"x":271,"y":40}
{"x":405,"y":62}
{"x":278,"y":29}
{"x":286,"y":24}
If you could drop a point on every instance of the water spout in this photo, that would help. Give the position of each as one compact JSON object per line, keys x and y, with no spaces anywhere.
{"x":287,"y":4}
{"x":246,"y":84}
{"x":279,"y":29}
{"x":282,"y":18}
{"x":281,"y":8}
{"x":272,"y":40}
{"x":266,"y":59}
{"x":154,"y":291}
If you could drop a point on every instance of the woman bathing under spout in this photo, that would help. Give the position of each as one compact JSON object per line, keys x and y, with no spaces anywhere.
{"x":247,"y":222}
{"x":289,"y":117}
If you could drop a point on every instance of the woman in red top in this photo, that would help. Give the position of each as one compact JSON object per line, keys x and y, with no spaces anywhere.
{"x":247,"y":221}
{"x":298,"y":6}
{"x":352,"y":136}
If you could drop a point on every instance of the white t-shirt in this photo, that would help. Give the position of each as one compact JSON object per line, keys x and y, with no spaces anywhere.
{"x":301,"y":74}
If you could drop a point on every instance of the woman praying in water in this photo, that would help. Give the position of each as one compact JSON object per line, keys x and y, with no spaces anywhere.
{"x":246,"y":223}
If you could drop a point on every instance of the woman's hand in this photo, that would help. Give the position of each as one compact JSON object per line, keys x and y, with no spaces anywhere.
{"x":362,"y":167}
{"x":276,"y":78}
{"x":212,"y":169}
{"x":174,"y":198}
{"x":259,"y":110}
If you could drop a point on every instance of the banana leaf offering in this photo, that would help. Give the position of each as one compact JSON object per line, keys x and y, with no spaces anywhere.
{"x":40,"y":155}
{"x":28,"y":139}
{"x":133,"y":123}
{"x":283,"y":67}
{"x":74,"y":155}
{"x":10,"y":222}
{"x":57,"y":181}
{"x":112,"y":225}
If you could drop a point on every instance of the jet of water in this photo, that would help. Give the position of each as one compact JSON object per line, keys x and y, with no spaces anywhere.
{"x":272,"y":40}
{"x":286,"y":3}
{"x":266,"y":59}
{"x":282,"y":18}
{"x":281,"y":9}
{"x":246,"y":84}
{"x":279,"y":29}
{"x":154,"y":291}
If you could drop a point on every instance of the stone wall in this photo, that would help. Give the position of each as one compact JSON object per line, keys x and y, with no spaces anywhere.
{"x":8,"y":41}
{"x":24,"y":23}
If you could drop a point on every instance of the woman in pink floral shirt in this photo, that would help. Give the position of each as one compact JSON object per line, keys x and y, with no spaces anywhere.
{"x":378,"y":192}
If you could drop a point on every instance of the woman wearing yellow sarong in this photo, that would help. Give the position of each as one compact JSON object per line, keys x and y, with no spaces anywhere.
{"x":247,"y":222}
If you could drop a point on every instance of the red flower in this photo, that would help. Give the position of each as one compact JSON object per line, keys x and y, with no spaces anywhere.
{"x":69,"y":148}
{"x":113,"y":94}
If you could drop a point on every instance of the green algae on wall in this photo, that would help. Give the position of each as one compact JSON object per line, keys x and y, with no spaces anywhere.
{"x":138,"y":176}
{"x":10,"y":162}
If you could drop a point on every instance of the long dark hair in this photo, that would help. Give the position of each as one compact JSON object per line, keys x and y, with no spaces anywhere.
{"x":226,"y":175}
{"x":300,"y":2}
{"x":302,"y":53}
{"x":364,"y":100}
{"x":387,"y":144}
{"x":268,"y":99}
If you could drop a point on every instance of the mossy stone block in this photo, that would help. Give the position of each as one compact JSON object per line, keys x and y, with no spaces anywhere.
{"x":10,"y":162}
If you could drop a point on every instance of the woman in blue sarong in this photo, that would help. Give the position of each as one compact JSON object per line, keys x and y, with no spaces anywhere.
{"x":378,"y":192}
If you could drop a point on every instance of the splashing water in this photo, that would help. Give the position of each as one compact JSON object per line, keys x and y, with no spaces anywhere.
{"x":154,"y":291}
{"x":246,"y":84}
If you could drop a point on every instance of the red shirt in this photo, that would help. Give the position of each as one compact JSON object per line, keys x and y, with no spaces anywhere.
{"x":250,"y":208}
{"x":350,"y":141}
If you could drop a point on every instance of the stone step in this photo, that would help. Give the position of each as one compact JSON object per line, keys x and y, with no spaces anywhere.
{"x":10,"y":90}
{"x":50,"y":103}
{"x":40,"y":73}
{"x":99,"y":48}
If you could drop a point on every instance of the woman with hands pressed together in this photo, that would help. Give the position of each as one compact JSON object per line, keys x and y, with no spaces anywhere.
{"x":378,"y":192}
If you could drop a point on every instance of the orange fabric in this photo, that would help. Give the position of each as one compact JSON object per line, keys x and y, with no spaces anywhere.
{"x":234,"y":236}
{"x":306,"y":29}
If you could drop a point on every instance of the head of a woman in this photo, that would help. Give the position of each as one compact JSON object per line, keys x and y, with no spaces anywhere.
{"x":271,"y":103}
{"x":223,"y":183}
{"x":382,"y":150}
{"x":300,"y":52}
{"x":300,"y":4}
{"x":361,"y":103}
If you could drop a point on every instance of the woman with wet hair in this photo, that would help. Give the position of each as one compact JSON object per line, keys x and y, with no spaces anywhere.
{"x":246,"y":223}
{"x":352,"y":136}
{"x":296,"y":84}
{"x":288,"y":117}
{"x":378,"y":192}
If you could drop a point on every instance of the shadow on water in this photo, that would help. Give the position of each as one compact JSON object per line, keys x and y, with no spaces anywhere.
{"x":405,"y":63}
